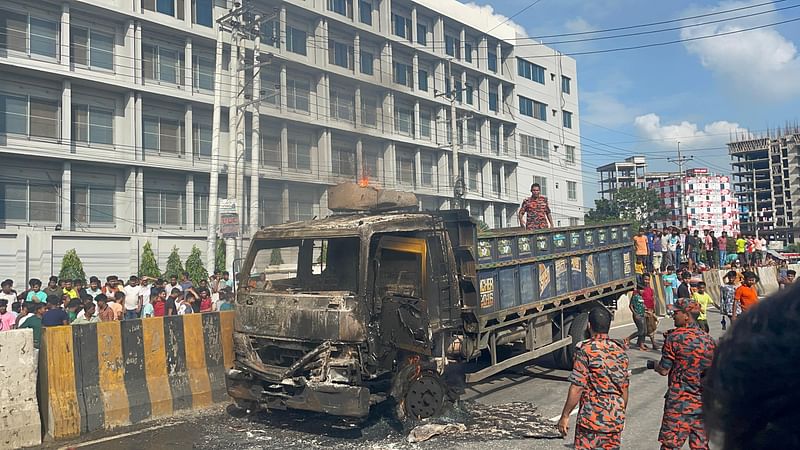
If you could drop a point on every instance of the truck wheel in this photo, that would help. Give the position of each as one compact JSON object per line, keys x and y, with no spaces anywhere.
{"x":578,"y":330}
{"x":419,"y":397}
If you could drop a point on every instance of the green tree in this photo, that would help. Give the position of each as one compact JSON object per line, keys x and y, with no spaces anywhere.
{"x":630,"y":204}
{"x":71,"y":267}
{"x":219,"y":256}
{"x":194,"y":265}
{"x":174,"y":265}
{"x":275,"y":258}
{"x":148,"y":267}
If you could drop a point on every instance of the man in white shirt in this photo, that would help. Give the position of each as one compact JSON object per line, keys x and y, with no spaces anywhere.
{"x":133,"y":298}
{"x":173,"y":284}
{"x":8,"y":293}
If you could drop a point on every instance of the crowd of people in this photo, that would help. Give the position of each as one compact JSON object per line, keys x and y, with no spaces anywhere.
{"x":72,"y":302}
{"x":658,"y":249}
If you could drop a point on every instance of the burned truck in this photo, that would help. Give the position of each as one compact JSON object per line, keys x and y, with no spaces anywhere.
{"x":341,"y":313}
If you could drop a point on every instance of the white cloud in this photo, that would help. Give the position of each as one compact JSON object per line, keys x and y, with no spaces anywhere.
{"x":691,"y":135}
{"x":760,"y":63}
{"x":578,"y":25}
{"x":495,"y":19}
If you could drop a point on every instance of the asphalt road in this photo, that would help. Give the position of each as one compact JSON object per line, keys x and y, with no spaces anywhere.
{"x":510,"y":401}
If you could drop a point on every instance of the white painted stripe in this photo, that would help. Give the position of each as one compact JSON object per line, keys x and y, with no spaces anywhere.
{"x":118,"y":436}
{"x":623,"y":326}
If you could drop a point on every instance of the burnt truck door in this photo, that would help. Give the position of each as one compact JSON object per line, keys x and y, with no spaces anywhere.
{"x":399,"y":290}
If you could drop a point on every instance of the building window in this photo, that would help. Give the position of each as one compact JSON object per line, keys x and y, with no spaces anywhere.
{"x":452,"y":46}
{"x":473,"y":170}
{"x":29,"y":35}
{"x":570,"y":150}
{"x":90,"y":48}
{"x":270,"y":206}
{"x":172,"y":8}
{"x":365,"y":12}
{"x":494,"y":138}
{"x":162,"y":64}
{"x":343,"y":7}
{"x":423,"y":80}
{"x":572,"y":190}
{"x":530,"y":71}
{"x":343,"y":105}
{"x":565,"y":84}
{"x":29,"y":202}
{"x":422,"y":34}
{"x":299,"y":152}
{"x":425,"y":123}
{"x":496,"y":181}
{"x":298,"y":92}
{"x":369,"y":111}
{"x":493,"y":99}
{"x":534,"y":147}
{"x":404,"y":119}
{"x":29,"y":116}
{"x":92,"y":125}
{"x":428,"y":162}
{"x":270,"y":33}
{"x":164,"y":209}
{"x":164,"y":136}
{"x":367,"y":63}
{"x":270,"y":86}
{"x":567,"y":116}
{"x":468,"y":91}
{"x":401,"y":26}
{"x":301,"y":205}
{"x":370,"y":165}
{"x":343,"y":160}
{"x":472,"y":133}
{"x":203,"y":72}
{"x":459,"y":92}
{"x":574,"y":222}
{"x":92,"y":205}
{"x":270,"y":148}
{"x":406,"y":168}
{"x":203,"y":12}
{"x":201,"y":207}
{"x":296,"y":40}
{"x":492,"y":62}
{"x":468,"y":52}
{"x":201,"y":139}
{"x":340,"y":54}
{"x":402,"y":74}
{"x":542,"y":182}
{"x":532,"y":108}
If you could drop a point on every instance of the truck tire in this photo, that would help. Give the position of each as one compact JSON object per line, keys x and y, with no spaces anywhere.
{"x":578,"y":330}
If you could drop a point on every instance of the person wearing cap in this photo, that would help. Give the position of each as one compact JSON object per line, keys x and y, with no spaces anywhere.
{"x":687,"y":353}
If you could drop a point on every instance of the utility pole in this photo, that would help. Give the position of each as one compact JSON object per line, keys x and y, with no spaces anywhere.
{"x":682,"y":176}
{"x":213,"y":186}
{"x":458,"y":181}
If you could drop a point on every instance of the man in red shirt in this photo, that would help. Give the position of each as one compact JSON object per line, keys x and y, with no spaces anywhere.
{"x":537,"y":209}
{"x":746,"y":295}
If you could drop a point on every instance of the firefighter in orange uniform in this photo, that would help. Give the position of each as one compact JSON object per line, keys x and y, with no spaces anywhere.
{"x":600,"y":383}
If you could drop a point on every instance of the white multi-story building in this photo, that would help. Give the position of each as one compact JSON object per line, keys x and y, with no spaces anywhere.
{"x":107,"y":107}
{"x":708,"y":201}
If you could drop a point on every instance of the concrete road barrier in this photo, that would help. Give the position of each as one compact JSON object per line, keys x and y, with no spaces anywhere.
{"x":19,"y":408}
{"x":660,"y":296}
{"x":110,"y":374}
{"x":623,"y":315}
{"x":767,"y":280}
{"x":713,"y":282}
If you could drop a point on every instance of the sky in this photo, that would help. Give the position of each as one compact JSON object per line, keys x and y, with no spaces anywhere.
{"x":698,"y":92}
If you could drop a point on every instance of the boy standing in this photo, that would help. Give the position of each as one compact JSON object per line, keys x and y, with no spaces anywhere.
{"x":670,"y":286}
{"x":703,"y":299}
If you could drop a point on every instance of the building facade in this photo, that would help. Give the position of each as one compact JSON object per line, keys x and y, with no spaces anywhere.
{"x":699,"y":201}
{"x":632,"y":172}
{"x":107,"y":125}
{"x":766,"y":181}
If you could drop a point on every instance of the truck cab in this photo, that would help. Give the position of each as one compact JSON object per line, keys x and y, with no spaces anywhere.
{"x":337,"y":314}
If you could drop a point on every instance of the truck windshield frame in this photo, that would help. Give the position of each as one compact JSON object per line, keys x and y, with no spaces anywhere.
{"x":309,"y":265}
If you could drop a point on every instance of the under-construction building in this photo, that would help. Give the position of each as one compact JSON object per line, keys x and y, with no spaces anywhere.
{"x":766,"y":182}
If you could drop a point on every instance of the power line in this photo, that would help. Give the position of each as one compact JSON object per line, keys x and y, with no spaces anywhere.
{"x":531,"y":5}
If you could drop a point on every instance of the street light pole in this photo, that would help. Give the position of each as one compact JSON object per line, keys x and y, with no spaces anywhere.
{"x":682,"y":177}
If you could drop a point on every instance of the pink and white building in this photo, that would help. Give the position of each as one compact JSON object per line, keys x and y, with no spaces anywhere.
{"x":710,"y":203}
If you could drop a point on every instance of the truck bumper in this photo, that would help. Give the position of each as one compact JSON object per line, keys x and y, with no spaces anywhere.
{"x":330,"y":398}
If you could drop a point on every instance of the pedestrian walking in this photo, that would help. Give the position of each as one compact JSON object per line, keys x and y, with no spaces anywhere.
{"x":711,"y":250}
{"x":722,"y":247}
{"x":636,"y":305}
{"x":686,"y":355}
{"x":746,"y":295}
{"x":666,"y":256}
{"x":599,"y":381}
{"x":704,"y":300}
{"x":650,"y":318}
{"x":657,"y":253}
{"x":640,"y":243}
{"x":727,"y":293}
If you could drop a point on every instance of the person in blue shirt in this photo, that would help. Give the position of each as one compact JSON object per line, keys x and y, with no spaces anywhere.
{"x":671,"y":282}
{"x":35,"y":293}
{"x":650,"y":248}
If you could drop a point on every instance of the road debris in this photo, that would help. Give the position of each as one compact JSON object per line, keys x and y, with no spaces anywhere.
{"x":427,"y":431}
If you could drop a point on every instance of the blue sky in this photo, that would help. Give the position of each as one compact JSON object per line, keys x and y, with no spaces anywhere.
{"x":698,"y":92}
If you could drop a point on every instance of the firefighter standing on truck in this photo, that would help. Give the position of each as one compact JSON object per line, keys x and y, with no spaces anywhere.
{"x":600,"y":382}
{"x":686,"y":355}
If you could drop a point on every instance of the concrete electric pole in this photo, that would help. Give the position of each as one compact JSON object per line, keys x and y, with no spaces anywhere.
{"x":680,"y":160}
